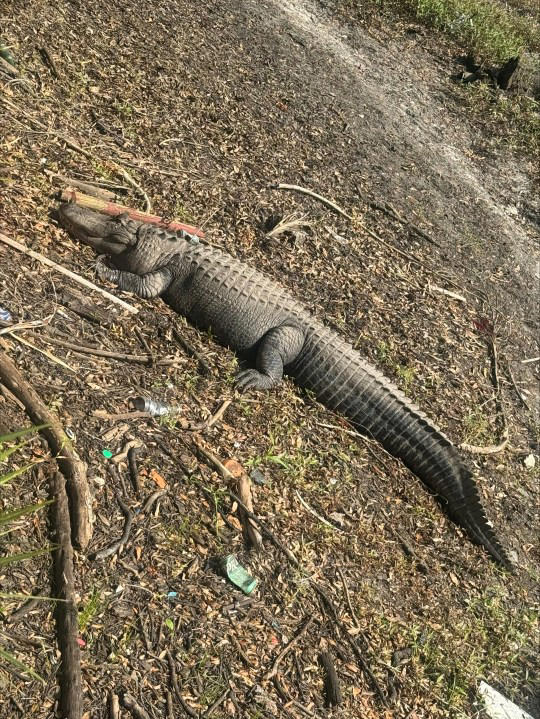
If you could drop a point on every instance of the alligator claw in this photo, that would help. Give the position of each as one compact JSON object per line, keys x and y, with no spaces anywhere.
{"x":253,"y":379}
{"x":104,"y":272}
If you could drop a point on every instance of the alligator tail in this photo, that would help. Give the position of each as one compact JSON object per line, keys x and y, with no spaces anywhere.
{"x":344,"y":382}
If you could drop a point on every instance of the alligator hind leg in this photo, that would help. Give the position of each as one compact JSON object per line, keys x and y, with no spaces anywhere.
{"x":278,"y":348}
{"x":146,"y":286}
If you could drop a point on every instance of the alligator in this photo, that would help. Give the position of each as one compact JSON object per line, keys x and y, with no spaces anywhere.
{"x":259,"y":319}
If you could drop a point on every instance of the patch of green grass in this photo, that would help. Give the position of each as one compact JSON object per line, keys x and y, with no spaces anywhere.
{"x":492,"y":636}
{"x":406,"y":375}
{"x":515,"y":119}
{"x":477,"y":428}
{"x":89,"y":610}
{"x":489,"y":29}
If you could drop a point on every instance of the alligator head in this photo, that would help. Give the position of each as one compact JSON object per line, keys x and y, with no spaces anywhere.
{"x":132,"y":246}
{"x":107,"y":235}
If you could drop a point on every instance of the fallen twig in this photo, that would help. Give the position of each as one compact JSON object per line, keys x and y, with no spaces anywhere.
{"x":132,"y":706}
{"x":218,"y":414}
{"x":77,"y":278}
{"x":66,"y":615}
{"x":114,"y":706}
{"x":331,"y":681}
{"x":152,"y":499}
{"x":174,"y":683}
{"x":87,"y":350}
{"x":116,"y":546}
{"x":287,"y":648}
{"x":310,"y":193}
{"x":211,"y":709}
{"x":448,"y":293}
{"x":22,"y":610}
{"x":113,"y":209}
{"x":188,"y":347}
{"x":389,"y":210}
{"x":316,"y":514}
{"x":73,"y":469}
{"x":251,"y":534}
{"x":89,"y":189}
{"x":49,"y":62}
{"x":493,"y":449}
{"x":354,"y":646}
{"x":46,"y":353}
{"x":133,"y":469}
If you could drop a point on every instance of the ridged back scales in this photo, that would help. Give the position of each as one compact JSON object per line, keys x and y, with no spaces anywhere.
{"x":240,"y":305}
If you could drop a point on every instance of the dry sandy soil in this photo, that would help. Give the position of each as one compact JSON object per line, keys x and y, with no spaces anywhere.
{"x":205,"y":105}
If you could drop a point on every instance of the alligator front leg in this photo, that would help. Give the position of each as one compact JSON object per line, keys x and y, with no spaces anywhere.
{"x":279,"y":347}
{"x":153,"y":284}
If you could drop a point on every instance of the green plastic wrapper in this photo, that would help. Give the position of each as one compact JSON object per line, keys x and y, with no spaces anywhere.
{"x":236,"y":574}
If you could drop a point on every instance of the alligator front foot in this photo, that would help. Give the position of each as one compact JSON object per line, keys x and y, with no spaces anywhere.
{"x":104,"y":272}
{"x":253,"y":379}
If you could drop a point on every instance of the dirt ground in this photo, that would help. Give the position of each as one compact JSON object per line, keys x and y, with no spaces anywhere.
{"x":205,"y":105}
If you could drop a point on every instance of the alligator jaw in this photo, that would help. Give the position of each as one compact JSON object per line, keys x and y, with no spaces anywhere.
{"x":106,"y":235}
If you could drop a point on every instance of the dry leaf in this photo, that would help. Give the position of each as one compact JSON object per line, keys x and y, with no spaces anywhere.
{"x":156,"y":477}
{"x":234,"y":467}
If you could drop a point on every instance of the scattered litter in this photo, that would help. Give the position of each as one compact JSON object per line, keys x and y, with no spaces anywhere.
{"x":153,"y":407}
{"x":172,"y":595}
{"x":236,"y":574}
{"x":106,"y":453}
{"x":81,"y":642}
{"x":258,"y":477}
{"x":530,"y":461}
{"x":70,"y":434}
{"x":7,"y":55}
{"x":499,"y":707}
{"x":5,"y":315}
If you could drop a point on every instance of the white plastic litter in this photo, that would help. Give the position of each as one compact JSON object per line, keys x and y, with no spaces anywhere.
{"x":499,"y":707}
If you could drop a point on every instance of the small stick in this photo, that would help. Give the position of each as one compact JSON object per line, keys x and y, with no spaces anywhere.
{"x":172,"y":671}
{"x":514,"y":385}
{"x":133,"y":469}
{"x":217,"y":703}
{"x":389,"y":210}
{"x":116,"y":546}
{"x":114,"y":706}
{"x":136,"y":709}
{"x":73,"y":469}
{"x":127,"y":177}
{"x":132,"y":444}
{"x":331,"y":681}
{"x":310,"y":193}
{"x":77,"y":278}
{"x":87,"y":350}
{"x":448,"y":293}
{"x":152,"y":499}
{"x":490,"y":449}
{"x":251,"y":533}
{"x":93,"y":190}
{"x":67,"y":628}
{"x":21,"y":611}
{"x":273,"y":671}
{"x":46,"y":353}
{"x":188,"y":347}
{"x":113,"y":209}
{"x":346,"y":588}
{"x":316,"y":514}
{"x":49,"y":61}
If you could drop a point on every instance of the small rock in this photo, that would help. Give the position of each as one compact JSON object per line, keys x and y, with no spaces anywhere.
{"x":258,"y":477}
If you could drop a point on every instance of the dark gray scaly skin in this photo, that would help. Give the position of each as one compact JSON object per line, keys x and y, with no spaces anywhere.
{"x":250,"y":313}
